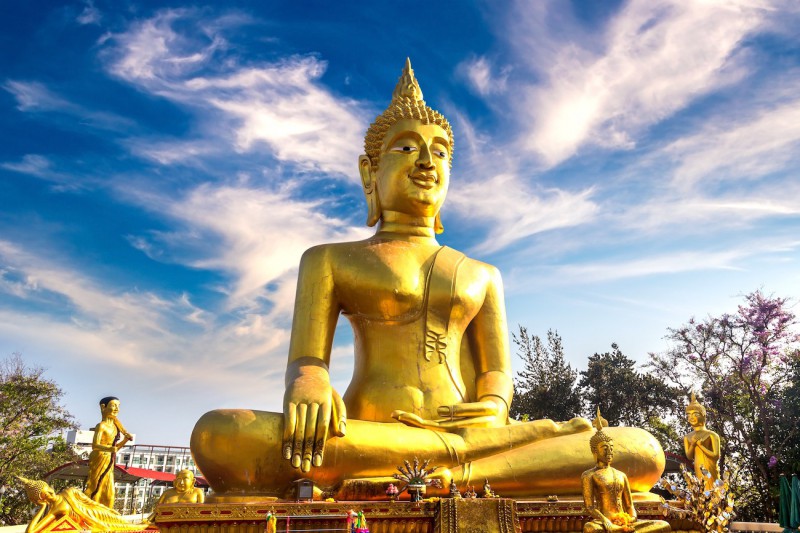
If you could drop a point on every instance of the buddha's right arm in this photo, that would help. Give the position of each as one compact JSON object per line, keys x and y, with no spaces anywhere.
{"x":310,"y":406}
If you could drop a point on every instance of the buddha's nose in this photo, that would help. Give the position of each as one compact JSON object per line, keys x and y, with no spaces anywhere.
{"x":425,"y":160}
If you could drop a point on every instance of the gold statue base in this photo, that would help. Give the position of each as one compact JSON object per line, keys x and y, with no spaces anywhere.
{"x":485,"y":515}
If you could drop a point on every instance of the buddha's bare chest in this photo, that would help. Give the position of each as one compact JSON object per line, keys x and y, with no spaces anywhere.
{"x":393,"y":281}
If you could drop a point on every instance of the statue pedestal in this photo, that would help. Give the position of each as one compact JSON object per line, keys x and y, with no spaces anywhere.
{"x":495,"y":515}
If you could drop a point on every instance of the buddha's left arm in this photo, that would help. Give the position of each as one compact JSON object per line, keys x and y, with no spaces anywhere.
{"x":627,"y":499}
{"x":489,"y":338}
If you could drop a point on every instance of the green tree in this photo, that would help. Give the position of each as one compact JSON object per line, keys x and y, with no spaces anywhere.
{"x":740,"y":363}
{"x":31,"y":418}
{"x":629,"y":397}
{"x":545,"y":388}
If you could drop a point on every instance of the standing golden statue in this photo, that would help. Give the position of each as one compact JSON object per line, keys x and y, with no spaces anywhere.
{"x":432,"y":373}
{"x":105,"y":445}
{"x":607,"y":493}
{"x":702,"y":444}
{"x":85,"y":512}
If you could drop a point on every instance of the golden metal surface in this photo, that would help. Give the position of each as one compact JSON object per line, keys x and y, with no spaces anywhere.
{"x":607,"y":493}
{"x":702,"y":444}
{"x":183,"y":490}
{"x":74,"y":507}
{"x":384,"y":517}
{"x":105,"y":445}
{"x":432,"y":375}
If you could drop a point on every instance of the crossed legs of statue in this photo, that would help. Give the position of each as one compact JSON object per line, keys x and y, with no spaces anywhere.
{"x":239,"y":452}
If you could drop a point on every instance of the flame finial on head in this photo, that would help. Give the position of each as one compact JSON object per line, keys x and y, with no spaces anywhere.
{"x":407,"y":87}
{"x":599,"y":436}
{"x":694,"y":405}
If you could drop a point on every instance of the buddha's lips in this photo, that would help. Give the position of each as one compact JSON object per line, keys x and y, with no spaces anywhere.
{"x":426,"y":181}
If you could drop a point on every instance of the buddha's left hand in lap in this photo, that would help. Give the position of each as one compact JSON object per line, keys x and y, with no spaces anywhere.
{"x":458,"y":416}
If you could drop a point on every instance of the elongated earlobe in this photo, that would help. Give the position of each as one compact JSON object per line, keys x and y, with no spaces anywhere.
{"x":437,"y":224}
{"x":370,"y":190}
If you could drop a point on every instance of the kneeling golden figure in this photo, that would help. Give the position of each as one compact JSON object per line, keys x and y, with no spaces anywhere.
{"x":607,"y":492}
{"x":432,"y":374}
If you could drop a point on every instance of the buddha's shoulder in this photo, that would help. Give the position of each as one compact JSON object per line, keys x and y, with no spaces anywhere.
{"x":331,"y":253}
{"x":484,"y":270}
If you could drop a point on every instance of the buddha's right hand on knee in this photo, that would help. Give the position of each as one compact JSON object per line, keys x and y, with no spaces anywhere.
{"x":311,"y":408}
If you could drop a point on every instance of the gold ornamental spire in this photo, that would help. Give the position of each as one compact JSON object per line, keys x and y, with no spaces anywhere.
{"x":407,"y":88}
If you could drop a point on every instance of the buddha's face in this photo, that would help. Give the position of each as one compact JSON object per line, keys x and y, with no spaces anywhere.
{"x":111,"y":409}
{"x":695,"y":418}
{"x":47,"y":495}
{"x":184,"y":481}
{"x":414,"y":169}
{"x":604,"y":453}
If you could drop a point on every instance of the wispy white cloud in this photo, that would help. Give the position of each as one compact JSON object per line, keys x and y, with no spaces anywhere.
{"x":255,"y":236}
{"x":280,"y":104}
{"x":733,"y":258}
{"x":169,"y":338}
{"x":514,"y":210}
{"x":478,"y":72}
{"x":90,"y":14}
{"x":738,"y":149}
{"x":655,"y":57}
{"x":35,"y":97}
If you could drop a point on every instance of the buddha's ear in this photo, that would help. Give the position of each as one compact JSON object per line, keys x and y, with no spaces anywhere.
{"x":437,"y":224}
{"x":370,"y":190}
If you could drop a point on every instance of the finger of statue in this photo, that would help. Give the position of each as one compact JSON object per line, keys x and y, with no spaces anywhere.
{"x":323,"y":423}
{"x":299,"y":435}
{"x":479,"y":421}
{"x":338,"y":415}
{"x":310,"y":434}
{"x":410,"y":419}
{"x":468,"y":409}
{"x":289,"y":422}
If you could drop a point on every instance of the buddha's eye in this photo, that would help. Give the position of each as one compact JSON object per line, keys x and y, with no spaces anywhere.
{"x":439,"y":151}
{"x":404,"y":148}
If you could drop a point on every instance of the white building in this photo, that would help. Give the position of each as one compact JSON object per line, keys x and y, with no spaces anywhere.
{"x":149,"y":461}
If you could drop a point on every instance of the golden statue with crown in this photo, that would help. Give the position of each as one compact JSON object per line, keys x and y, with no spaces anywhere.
{"x":432,"y":371}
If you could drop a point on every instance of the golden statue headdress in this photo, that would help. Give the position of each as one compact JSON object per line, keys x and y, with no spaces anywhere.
{"x":406,"y":102}
{"x":33,"y":489}
{"x":694,"y":405}
{"x":599,"y":436}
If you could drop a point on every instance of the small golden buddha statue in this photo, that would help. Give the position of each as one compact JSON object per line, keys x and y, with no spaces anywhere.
{"x":84,"y":511}
{"x":607,"y":493}
{"x":183,"y":490}
{"x":432,"y":373}
{"x":702,"y":444}
{"x":109,"y":437}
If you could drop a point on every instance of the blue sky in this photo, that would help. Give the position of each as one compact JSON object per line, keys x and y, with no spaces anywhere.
{"x":163,"y":165}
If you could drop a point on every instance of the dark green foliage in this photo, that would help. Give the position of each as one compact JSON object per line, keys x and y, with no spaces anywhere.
{"x":630,"y":398}
{"x":31,"y":419}
{"x":545,"y":388}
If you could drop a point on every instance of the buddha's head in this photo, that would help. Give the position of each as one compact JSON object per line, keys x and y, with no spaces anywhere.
{"x":408,"y":157}
{"x":601,"y":443}
{"x":184,"y":481}
{"x":109,"y":407}
{"x":38,"y":492}
{"x":695,"y":412}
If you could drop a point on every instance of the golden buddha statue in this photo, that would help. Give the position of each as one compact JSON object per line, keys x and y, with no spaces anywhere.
{"x":432,"y":373}
{"x":607,"y":492}
{"x":183,"y":490}
{"x":105,"y":445}
{"x":702,"y":444}
{"x":84,"y":511}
